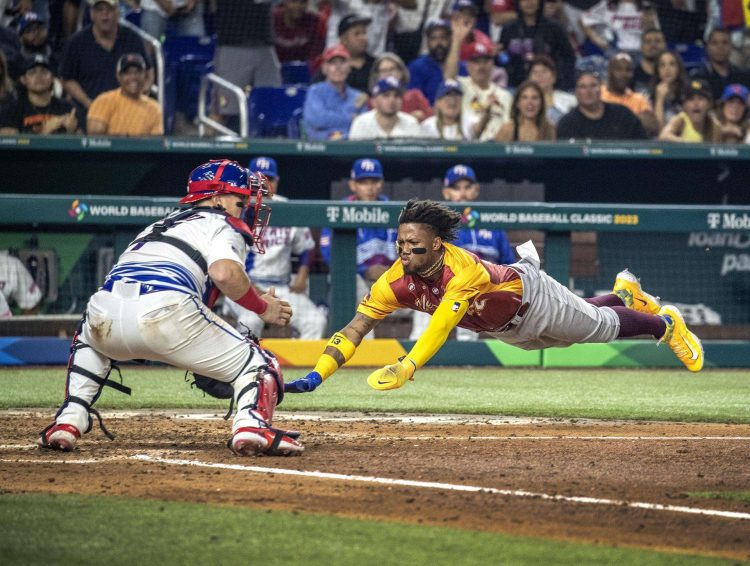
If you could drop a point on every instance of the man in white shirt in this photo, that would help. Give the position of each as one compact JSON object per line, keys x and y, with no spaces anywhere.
{"x":385,"y":120}
{"x":486,"y":106}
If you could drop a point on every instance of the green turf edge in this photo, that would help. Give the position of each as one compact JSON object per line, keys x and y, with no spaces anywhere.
{"x":75,"y":529}
{"x":721,"y":396}
{"x":742,"y":495}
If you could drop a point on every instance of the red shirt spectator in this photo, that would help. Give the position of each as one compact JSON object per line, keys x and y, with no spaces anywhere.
{"x":299,"y":35}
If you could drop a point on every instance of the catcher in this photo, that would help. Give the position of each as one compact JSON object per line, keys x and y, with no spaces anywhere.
{"x":156,"y":302}
{"x":517,"y":303}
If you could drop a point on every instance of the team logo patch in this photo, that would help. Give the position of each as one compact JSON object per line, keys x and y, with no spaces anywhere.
{"x":456,"y":306}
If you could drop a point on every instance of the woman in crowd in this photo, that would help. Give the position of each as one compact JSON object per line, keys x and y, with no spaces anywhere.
{"x":391,"y":65}
{"x":732,"y":114}
{"x":528,"y":117}
{"x":668,"y":86}
{"x":695,"y":124}
{"x":558,"y":102}
{"x":446,"y":123}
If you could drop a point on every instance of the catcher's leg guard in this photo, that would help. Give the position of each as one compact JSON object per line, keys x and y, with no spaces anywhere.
{"x":88,"y":371}
{"x":257,"y":395}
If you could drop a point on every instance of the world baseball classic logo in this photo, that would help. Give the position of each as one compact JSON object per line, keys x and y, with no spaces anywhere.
{"x":469,"y":217}
{"x":78,"y":210}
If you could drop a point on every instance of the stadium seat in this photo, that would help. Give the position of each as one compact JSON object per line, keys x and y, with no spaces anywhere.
{"x":692,"y":54}
{"x":276,"y":112}
{"x":295,"y":73}
{"x":187,"y":59}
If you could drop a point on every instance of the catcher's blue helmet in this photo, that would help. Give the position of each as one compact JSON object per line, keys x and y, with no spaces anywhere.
{"x":218,"y":176}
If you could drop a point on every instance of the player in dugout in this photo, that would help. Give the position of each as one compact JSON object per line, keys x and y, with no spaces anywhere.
{"x":518,"y":303}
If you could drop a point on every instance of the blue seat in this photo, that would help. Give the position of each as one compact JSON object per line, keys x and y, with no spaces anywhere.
{"x":276,"y":112}
{"x":186,"y":59}
{"x":692,"y":54}
{"x":295,"y":73}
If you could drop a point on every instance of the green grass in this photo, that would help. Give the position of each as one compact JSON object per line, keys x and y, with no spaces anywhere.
{"x":743,"y":496}
{"x":69,"y":529}
{"x":670,"y":395}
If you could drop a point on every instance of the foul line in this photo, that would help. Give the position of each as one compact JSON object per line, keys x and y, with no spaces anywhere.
{"x":397,"y":482}
{"x":446,"y":487}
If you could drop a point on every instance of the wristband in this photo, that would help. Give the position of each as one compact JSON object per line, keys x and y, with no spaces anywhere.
{"x":252,"y":302}
{"x":327,"y":364}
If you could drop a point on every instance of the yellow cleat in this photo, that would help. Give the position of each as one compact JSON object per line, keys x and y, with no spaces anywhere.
{"x":685,"y":345}
{"x":628,"y":288}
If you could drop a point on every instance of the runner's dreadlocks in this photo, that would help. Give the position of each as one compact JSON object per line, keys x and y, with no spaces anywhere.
{"x":443,"y":220}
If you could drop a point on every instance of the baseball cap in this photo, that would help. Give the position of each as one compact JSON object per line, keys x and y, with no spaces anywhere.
{"x":335,"y":51}
{"x":366,"y":168}
{"x":480,"y":48}
{"x":131,"y":60}
{"x":436,"y":23}
{"x":265,"y":165}
{"x":28,"y":19}
{"x":351,"y":20}
{"x":457,"y":173}
{"x":699,"y":87}
{"x":36,"y":61}
{"x":387,"y":84}
{"x":735,"y":91}
{"x":459,"y":5}
{"x":112,"y":3}
{"x":448,"y":87}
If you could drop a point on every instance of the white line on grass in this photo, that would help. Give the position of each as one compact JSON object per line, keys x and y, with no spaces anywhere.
{"x":446,"y":486}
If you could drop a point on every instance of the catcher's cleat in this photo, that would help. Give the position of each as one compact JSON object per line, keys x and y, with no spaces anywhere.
{"x":685,"y":345}
{"x":628,"y":288}
{"x":60,"y":437}
{"x":254,"y":441}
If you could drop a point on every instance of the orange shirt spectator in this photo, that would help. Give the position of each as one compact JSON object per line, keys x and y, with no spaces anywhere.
{"x":634,"y":101}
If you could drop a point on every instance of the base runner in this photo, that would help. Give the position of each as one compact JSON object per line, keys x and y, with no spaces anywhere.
{"x":519,"y":303}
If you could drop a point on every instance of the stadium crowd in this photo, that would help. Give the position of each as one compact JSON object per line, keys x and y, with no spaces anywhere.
{"x":461,"y":70}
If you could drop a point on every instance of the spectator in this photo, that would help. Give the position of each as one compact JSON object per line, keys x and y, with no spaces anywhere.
{"x":501,"y":13}
{"x":378,"y":14}
{"x":558,"y":102}
{"x":185,"y":15}
{"x":408,"y":25}
{"x":16,"y":286}
{"x":668,"y":87}
{"x":391,"y":65}
{"x":683,"y":21}
{"x":37,"y":111}
{"x":331,"y":105}
{"x":694,"y":124}
{"x":353,"y":30}
{"x":385,"y":120}
{"x":7,"y":92}
{"x":375,"y":250}
{"x":594,"y":119}
{"x":732,"y":114}
{"x":652,"y":43}
{"x":617,"y":25}
{"x":717,"y":69}
{"x":298,"y":34}
{"x":126,"y":111}
{"x":466,"y":11}
{"x":460,"y":185}
{"x":619,"y":76}
{"x":89,"y":63}
{"x":446,"y":124}
{"x":528,"y":117}
{"x":427,"y":70}
{"x":486,"y":106}
{"x":244,"y":53}
{"x":533,"y":34}
{"x":33,"y":34}
{"x":10,"y":47}
{"x":273,"y":269}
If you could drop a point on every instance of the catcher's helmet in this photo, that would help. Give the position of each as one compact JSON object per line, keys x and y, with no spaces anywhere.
{"x":218,"y":176}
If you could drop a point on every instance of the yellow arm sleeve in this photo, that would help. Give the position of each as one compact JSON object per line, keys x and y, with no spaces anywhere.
{"x":444,"y":319}
{"x":327,"y":364}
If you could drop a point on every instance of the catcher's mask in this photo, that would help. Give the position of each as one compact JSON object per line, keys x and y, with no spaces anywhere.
{"x":257,"y":213}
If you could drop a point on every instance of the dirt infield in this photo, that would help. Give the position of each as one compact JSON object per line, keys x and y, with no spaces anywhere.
{"x":533,"y":467}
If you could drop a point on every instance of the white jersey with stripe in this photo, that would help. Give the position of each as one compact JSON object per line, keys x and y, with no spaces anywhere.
{"x":165,"y":266}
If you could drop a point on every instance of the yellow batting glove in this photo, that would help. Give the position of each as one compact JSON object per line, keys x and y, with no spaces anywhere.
{"x":392,"y":376}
